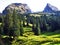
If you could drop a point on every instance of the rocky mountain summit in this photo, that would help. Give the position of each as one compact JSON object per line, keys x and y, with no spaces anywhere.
{"x":21,"y":8}
{"x":49,"y":8}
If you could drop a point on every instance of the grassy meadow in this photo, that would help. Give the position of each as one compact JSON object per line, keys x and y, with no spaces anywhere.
{"x":28,"y":38}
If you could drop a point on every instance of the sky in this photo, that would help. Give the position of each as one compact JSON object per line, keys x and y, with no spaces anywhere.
{"x":35,"y":5}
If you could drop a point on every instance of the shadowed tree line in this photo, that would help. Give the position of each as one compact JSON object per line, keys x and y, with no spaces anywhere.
{"x":13,"y":23}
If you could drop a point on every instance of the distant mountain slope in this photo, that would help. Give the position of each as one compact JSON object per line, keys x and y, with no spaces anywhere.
{"x":49,"y":8}
{"x":21,"y":8}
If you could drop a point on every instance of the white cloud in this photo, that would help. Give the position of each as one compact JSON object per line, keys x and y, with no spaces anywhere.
{"x":35,"y":5}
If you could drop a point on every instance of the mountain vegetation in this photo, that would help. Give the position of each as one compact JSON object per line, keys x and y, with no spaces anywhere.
{"x":29,"y":28}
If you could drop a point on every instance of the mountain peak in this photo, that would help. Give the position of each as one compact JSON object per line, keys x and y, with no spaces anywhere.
{"x":50,"y":8}
{"x":48,"y":4}
{"x":21,"y":8}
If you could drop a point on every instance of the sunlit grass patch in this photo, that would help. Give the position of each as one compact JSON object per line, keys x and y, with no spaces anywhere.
{"x":39,"y":40}
{"x":27,"y":29}
{"x":55,"y":36}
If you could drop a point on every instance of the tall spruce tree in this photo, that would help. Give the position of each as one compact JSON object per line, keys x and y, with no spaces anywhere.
{"x":38,"y":31}
{"x":43,"y":23}
{"x":8,"y":23}
{"x":21,"y":29}
{"x":33,"y":24}
{"x":1,"y":25}
{"x":21,"y":19}
{"x":27,"y":19}
{"x":16,"y":24}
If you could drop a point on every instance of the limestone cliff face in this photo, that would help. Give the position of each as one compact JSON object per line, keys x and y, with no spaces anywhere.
{"x":21,"y":8}
{"x":49,"y":8}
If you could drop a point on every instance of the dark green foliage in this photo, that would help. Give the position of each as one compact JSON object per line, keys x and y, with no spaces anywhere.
{"x":24,"y":23}
{"x":33,"y":24}
{"x":1,"y":18}
{"x":28,"y":19}
{"x":1,"y":29}
{"x":52,"y":23}
{"x":21,"y":19}
{"x":38,"y":31}
{"x":21,"y":30}
{"x":1,"y":26}
{"x":12,"y":24}
{"x":8,"y":23}
{"x":36,"y":26}
{"x":43,"y":23}
{"x":16,"y":24}
{"x":40,"y":24}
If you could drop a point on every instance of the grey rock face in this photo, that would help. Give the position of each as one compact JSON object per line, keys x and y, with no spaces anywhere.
{"x":49,"y":8}
{"x":21,"y":8}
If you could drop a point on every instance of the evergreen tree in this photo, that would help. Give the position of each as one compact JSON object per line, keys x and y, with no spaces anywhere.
{"x":27,"y":19}
{"x":33,"y":23}
{"x":1,"y":29}
{"x":43,"y":23}
{"x":21,"y":19}
{"x":21,"y":29}
{"x":8,"y":23}
{"x":38,"y":31}
{"x":16,"y":24}
{"x":1,"y":26}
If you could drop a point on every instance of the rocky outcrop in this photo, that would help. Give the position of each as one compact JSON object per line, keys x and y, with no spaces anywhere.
{"x":49,"y":8}
{"x":19,"y":7}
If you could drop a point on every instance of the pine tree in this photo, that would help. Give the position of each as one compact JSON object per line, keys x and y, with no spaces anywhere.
{"x":33,"y":23}
{"x":21,"y":18}
{"x":23,"y":21}
{"x":27,"y":19}
{"x":1,"y":29}
{"x":1,"y":26}
{"x":38,"y":31}
{"x":21,"y":29}
{"x":43,"y":23}
{"x":8,"y":23}
{"x":16,"y":24}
